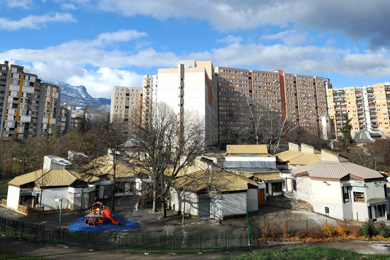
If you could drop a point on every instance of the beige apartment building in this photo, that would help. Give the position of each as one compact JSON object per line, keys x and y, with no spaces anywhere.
{"x":29,"y":107}
{"x":126,"y":107}
{"x":300,"y":99}
{"x":189,"y":89}
{"x":366,"y":106}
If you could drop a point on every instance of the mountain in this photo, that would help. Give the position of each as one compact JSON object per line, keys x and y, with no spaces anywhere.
{"x":79,"y":95}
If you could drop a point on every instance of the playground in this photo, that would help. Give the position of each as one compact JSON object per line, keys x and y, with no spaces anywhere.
{"x":99,"y":218}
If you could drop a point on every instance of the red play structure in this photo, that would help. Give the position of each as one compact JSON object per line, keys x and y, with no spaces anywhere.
{"x":98,"y":214}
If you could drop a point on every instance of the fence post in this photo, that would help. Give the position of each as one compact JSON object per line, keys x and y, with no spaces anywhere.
{"x":249,"y":230}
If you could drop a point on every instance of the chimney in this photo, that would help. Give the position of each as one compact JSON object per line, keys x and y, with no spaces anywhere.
{"x":307,"y":148}
{"x":329,"y":156}
{"x":293,"y":147}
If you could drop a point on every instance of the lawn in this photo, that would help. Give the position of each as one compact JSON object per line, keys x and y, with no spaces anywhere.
{"x":309,"y":253}
{"x":5,"y":255}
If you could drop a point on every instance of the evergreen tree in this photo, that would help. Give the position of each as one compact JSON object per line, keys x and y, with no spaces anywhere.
{"x":346,"y":140}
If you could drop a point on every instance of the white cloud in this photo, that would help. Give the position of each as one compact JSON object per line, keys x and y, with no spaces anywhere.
{"x":231,"y":39}
{"x":19,"y":3}
{"x":35,"y":22}
{"x":90,"y":63}
{"x":289,"y":37}
{"x":100,"y":83}
{"x":68,"y":6}
{"x":357,"y":19}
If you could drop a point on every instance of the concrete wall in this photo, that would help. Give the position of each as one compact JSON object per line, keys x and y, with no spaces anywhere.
{"x":327,"y":194}
{"x":49,"y":195}
{"x":304,"y":188}
{"x":252,"y":200}
{"x":375,"y":190}
{"x":13,"y":197}
{"x":234,"y":204}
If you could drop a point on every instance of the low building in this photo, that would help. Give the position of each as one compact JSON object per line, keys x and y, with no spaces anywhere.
{"x":217,"y":194}
{"x":254,"y":162}
{"x":296,"y":156}
{"x":341,"y":189}
{"x":46,"y":188}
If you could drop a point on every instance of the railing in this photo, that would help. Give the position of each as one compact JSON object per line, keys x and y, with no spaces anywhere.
{"x":124,"y":243}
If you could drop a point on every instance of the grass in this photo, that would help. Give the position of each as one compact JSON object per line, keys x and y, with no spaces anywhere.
{"x":5,"y":255}
{"x":309,"y":252}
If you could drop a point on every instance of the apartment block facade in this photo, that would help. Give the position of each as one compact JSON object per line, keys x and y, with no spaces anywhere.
{"x":366,"y":106}
{"x":149,"y":97}
{"x":29,"y":107}
{"x":300,"y":99}
{"x":126,"y":107}
{"x":191,"y":87}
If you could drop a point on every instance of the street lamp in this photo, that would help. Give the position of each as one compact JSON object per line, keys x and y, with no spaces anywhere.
{"x":59,"y":225}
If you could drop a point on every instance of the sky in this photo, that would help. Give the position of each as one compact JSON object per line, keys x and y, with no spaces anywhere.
{"x":105,"y":43}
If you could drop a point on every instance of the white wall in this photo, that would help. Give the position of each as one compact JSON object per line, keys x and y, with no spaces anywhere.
{"x":13,"y":197}
{"x":327,"y":194}
{"x":49,"y":195}
{"x":304,"y":188}
{"x":252,"y":200}
{"x":234,"y":204}
{"x":375,"y":190}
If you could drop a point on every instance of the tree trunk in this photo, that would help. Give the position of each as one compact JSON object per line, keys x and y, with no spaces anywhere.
{"x":163,"y":209}
{"x":154,"y":209}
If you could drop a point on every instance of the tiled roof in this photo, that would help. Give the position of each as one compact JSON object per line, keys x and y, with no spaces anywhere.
{"x":337,"y":170}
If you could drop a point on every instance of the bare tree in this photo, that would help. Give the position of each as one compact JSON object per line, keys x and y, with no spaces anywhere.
{"x":165,"y":145}
{"x":268,"y":125}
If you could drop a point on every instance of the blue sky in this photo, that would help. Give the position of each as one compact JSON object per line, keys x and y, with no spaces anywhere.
{"x":106,"y":43}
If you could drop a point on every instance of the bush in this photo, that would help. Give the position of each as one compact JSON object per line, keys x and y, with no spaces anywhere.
{"x":328,"y":230}
{"x":264,"y":228}
{"x":315,"y":233}
{"x":341,"y":231}
{"x":382,"y":229}
{"x":368,"y":229}
{"x":354,"y":230}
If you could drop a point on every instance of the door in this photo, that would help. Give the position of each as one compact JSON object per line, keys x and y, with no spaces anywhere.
{"x":261,"y":196}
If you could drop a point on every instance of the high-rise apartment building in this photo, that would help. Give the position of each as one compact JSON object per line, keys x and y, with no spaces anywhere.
{"x":191,"y":88}
{"x":29,"y":107}
{"x":149,"y":97}
{"x":126,"y":107}
{"x":366,"y":106}
{"x":298,"y":98}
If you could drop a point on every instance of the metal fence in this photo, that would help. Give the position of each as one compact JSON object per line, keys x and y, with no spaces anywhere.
{"x":267,"y":226}
{"x":123,"y":243}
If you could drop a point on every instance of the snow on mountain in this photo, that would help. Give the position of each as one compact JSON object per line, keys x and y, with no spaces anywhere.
{"x":79,"y":95}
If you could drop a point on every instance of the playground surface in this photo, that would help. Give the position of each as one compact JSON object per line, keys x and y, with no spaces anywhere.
{"x":80,"y":226}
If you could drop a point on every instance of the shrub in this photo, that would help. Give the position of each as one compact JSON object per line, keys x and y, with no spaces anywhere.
{"x":328,"y":230}
{"x":341,"y":231}
{"x":368,"y":229}
{"x":285,"y":228}
{"x":354,"y":230}
{"x":271,"y":226}
{"x":382,"y":229}
{"x":315,"y":233}
{"x":264,"y":227}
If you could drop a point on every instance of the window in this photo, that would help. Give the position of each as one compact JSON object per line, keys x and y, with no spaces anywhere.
{"x":358,"y":196}
{"x":380,"y":211}
{"x":346,"y":194}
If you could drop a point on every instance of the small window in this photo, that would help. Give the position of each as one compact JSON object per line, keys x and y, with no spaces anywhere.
{"x":358,"y":196}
